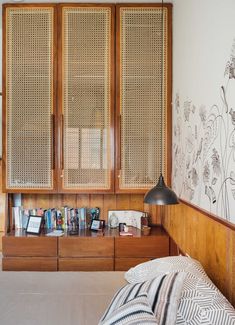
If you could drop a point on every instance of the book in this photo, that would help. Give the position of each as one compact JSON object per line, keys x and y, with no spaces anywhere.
{"x":17,"y":217}
{"x":55,"y":233}
{"x":82,"y":218}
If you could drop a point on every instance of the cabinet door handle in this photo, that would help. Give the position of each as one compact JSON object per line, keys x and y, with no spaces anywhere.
{"x":62,"y":141}
{"x":53,"y":141}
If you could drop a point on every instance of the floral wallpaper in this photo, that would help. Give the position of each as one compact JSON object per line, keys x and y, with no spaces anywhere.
{"x":204,"y":149}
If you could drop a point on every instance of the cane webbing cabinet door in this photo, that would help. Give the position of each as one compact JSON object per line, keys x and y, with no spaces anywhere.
{"x":143,"y":58}
{"x":28,"y":107}
{"x":86,"y":98}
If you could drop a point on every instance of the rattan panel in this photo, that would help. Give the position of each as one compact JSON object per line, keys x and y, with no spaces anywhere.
{"x":29,"y":89}
{"x":140,"y":95}
{"x":86,"y":97}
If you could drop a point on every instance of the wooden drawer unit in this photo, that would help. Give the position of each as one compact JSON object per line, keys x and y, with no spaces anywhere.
{"x":86,"y":253}
{"x":29,"y":246}
{"x":29,"y":263}
{"x":130,"y":251}
{"x":86,"y":264}
{"x":29,"y":253}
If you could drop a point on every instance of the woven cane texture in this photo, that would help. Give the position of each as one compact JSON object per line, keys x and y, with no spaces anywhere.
{"x":29,"y":91}
{"x":86,"y":97}
{"x":140,"y":95}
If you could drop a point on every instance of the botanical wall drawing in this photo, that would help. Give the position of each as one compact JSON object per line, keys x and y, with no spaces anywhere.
{"x":204,"y":149}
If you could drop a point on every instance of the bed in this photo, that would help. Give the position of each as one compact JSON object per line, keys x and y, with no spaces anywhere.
{"x":87,"y":298}
{"x":56,"y":298}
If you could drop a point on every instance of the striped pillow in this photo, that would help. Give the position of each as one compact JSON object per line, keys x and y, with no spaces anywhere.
{"x":163,"y":294}
{"x":135,"y":311}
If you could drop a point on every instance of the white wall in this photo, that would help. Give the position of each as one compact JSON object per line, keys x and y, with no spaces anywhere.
{"x":203,"y":131}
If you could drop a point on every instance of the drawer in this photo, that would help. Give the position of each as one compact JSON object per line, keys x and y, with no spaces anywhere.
{"x":125,"y":263}
{"x":86,"y":264}
{"x":29,"y":246}
{"x":149,"y":246}
{"x":29,"y":264}
{"x":86,"y":247}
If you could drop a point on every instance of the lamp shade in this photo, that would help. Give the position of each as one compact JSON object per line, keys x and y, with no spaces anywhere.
{"x":161,"y":194}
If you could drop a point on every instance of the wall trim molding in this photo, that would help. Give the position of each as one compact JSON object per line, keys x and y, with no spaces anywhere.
{"x":209,"y":215}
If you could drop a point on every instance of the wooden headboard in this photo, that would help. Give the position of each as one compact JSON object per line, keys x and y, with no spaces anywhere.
{"x":207,"y":239}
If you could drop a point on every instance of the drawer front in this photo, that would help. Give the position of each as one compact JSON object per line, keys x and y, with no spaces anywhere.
{"x":29,"y":264}
{"x":125,"y":263}
{"x":29,"y":246}
{"x":86,"y":264}
{"x":152,"y":246}
{"x":86,"y":247}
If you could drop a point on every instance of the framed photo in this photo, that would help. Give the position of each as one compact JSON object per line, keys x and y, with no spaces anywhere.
{"x":102,"y":224}
{"x":95,"y":225}
{"x":34,"y":225}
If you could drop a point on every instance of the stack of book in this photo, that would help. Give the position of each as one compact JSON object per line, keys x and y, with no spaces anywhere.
{"x":65,"y":218}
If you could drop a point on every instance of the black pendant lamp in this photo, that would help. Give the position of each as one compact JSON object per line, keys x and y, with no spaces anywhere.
{"x":161,"y":194}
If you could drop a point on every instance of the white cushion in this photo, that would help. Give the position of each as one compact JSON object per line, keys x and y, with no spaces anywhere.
{"x":148,"y":270}
{"x":201,"y":302}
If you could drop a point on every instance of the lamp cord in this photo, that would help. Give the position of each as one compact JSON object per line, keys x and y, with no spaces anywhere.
{"x":162,"y":62}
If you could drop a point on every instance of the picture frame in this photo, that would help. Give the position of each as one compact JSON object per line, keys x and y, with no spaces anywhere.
{"x":34,"y":225}
{"x":95,"y":225}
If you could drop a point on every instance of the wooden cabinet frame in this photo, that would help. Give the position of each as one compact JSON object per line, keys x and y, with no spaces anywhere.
{"x":57,"y":116}
{"x":60,"y":98}
{"x":118,"y":189}
{"x":54,"y":102}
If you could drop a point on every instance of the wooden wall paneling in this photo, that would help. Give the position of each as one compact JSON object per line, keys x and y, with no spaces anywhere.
{"x":43,"y":201}
{"x":207,"y":240}
{"x":29,"y":200}
{"x":109,"y":204}
{"x":69,"y":200}
{"x":137,"y":202}
{"x":83,"y":200}
{"x":123,"y":201}
{"x":155,"y":213}
{"x":231,"y":265}
{"x":56,"y":201}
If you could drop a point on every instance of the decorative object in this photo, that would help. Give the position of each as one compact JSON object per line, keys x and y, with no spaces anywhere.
{"x":74,"y":225}
{"x":102,"y":224}
{"x":34,"y":225}
{"x":121,"y":226}
{"x":113,"y":221}
{"x":95,"y":225}
{"x":161,"y":194}
{"x":130,"y":217}
{"x":146,"y":230}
